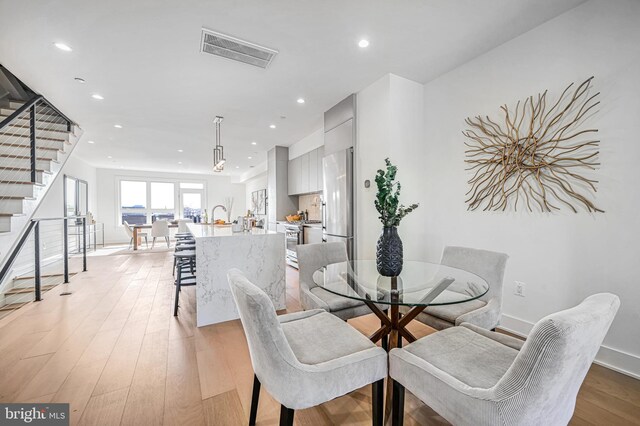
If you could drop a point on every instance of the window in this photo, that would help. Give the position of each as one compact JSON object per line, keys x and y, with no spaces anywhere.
{"x":133,"y":202}
{"x":144,"y":201}
{"x":162,"y":201}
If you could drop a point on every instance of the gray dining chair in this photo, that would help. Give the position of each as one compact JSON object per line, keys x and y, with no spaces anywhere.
{"x":312,"y":257}
{"x":484,"y":312}
{"x":472,"y":376}
{"x":305,"y":358}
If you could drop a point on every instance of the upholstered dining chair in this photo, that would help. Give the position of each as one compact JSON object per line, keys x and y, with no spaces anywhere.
{"x":484,"y":312}
{"x":129,"y":231}
{"x":312,"y":257}
{"x":160,"y":229}
{"x":305,"y":358}
{"x":472,"y":376}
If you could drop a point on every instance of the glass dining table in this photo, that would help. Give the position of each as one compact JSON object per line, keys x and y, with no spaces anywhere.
{"x":420,"y":284}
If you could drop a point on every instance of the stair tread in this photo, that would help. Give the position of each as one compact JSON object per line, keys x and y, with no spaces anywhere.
{"x":64,"y":132}
{"x":24,"y":157}
{"x":20,"y":182}
{"x":26,"y":118}
{"x":18,"y":145}
{"x":38,"y":138}
{"x":23,"y":169}
{"x":12,"y":306}
{"x":23,"y":290}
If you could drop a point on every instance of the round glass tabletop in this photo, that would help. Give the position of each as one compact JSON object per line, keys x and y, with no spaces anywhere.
{"x":419,"y":284}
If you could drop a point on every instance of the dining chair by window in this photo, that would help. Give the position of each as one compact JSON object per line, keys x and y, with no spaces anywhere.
{"x":484,"y":312}
{"x":160,"y":229}
{"x":312,"y":257}
{"x":472,"y":376}
{"x":305,"y":358}
{"x":129,"y":231}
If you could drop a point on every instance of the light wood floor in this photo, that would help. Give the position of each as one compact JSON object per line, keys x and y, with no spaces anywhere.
{"x":113,"y":350}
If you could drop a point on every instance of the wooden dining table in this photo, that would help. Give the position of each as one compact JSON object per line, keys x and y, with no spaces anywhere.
{"x":136,"y":228}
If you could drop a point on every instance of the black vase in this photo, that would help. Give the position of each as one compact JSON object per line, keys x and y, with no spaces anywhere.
{"x":389,"y":252}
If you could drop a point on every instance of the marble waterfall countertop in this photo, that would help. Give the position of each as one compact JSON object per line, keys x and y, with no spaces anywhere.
{"x":259,"y":254}
{"x":208,"y":230}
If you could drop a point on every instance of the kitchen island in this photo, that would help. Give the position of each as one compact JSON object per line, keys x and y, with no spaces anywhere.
{"x":259,"y":254}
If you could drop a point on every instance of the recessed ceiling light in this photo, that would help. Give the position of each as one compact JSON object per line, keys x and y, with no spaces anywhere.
{"x":363,"y":43}
{"x":180,"y":150}
{"x":249,"y":158}
{"x":63,"y":46}
{"x":237,"y":167}
{"x":273,"y":126}
{"x":80,"y":80}
{"x":254,"y":143}
{"x":179,"y":162}
{"x":300,"y":101}
{"x":108,"y":156}
{"x":97,"y":96}
{"x":118,"y":126}
{"x":91,"y":142}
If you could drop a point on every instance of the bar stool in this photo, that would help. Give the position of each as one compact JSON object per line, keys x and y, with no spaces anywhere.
{"x":185,"y":261}
{"x":178,"y":248}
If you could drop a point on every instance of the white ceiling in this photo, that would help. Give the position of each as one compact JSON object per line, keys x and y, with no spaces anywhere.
{"x":143,"y":57}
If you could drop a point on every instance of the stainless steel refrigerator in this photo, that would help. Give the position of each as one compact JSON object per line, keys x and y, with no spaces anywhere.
{"x":338,"y":203}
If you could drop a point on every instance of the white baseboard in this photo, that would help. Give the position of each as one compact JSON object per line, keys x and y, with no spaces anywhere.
{"x":617,"y":360}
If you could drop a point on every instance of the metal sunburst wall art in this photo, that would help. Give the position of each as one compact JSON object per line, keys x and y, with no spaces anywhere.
{"x":539,"y":157}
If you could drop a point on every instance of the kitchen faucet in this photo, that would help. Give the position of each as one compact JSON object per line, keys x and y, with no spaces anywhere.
{"x":213,"y":211}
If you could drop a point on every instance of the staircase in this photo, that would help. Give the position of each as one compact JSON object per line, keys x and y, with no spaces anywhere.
{"x":35,"y":141}
{"x":53,"y":138}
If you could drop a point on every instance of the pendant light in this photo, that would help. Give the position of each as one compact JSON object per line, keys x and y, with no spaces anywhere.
{"x":218,"y":150}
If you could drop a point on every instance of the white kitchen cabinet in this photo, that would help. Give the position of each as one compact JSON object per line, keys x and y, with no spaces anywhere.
{"x":303,"y":177}
{"x":320,"y":172}
{"x":305,"y":173}
{"x":313,"y":171}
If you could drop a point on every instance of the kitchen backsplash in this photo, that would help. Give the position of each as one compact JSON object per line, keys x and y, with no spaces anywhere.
{"x":313,"y":204}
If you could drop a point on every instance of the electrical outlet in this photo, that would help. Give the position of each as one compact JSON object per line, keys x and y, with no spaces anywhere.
{"x":519,"y":290}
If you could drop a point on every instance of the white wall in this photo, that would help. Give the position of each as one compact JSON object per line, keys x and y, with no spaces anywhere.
{"x":53,"y":203}
{"x":254,"y":184}
{"x":308,"y":143}
{"x":562,"y":257}
{"x":389,"y":120}
{"x":218,"y":188}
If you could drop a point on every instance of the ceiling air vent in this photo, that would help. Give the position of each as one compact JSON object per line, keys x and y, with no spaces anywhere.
{"x":236,"y":49}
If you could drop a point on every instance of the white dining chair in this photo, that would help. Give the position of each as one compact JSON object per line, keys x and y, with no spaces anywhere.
{"x":160,"y":229}
{"x":473,"y":376}
{"x":485,"y":311}
{"x":304,"y":359}
{"x":129,"y":231}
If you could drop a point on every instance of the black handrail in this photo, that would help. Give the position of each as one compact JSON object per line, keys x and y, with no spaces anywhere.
{"x":28,"y":105}
{"x":34,"y":223}
{"x":14,"y":253}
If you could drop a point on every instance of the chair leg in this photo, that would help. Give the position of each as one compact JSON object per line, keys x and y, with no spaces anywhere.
{"x":167,"y":239}
{"x":179,"y":279}
{"x":153,"y":243}
{"x":286,"y":416}
{"x":146,"y":241}
{"x":130,"y":243}
{"x":377,"y":402}
{"x":255,"y":396}
{"x":397,"y":413}
{"x":173,"y":272}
